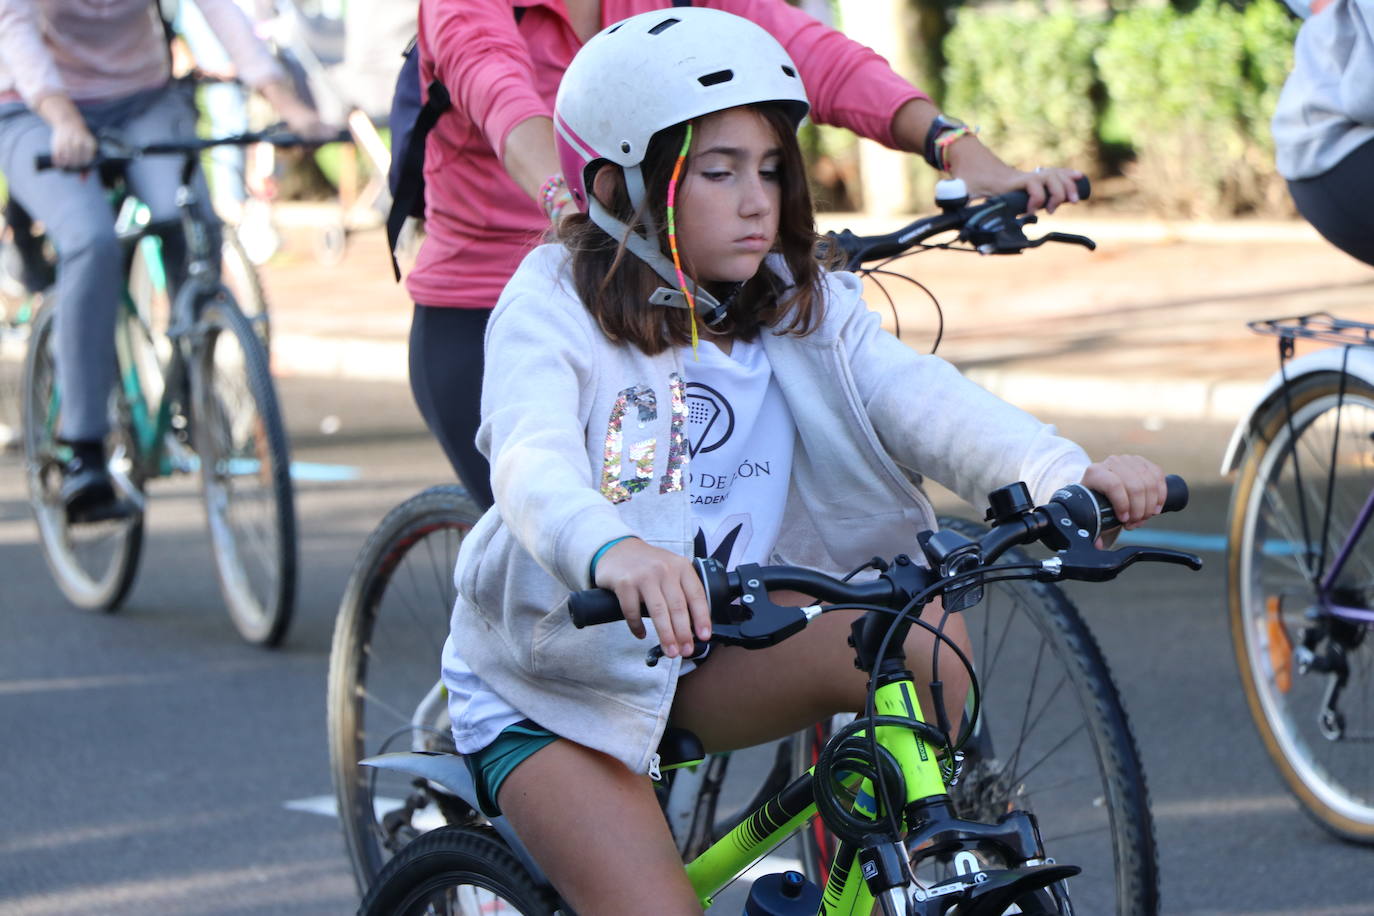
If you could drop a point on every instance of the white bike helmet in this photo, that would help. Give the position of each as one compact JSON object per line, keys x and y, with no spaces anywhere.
{"x":650,"y":72}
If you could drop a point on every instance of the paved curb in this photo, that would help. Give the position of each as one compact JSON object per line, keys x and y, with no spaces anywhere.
{"x":354,"y":357}
{"x":1115,"y":396}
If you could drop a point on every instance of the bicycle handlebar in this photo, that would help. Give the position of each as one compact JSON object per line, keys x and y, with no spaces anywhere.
{"x":114,"y":153}
{"x":1070,"y":522}
{"x":992,"y":226}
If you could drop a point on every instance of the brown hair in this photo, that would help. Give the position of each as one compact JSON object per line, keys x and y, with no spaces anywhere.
{"x":615,"y":285}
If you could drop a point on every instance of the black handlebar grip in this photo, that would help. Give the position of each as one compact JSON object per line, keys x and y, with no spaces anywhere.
{"x":1019,"y":201}
{"x":1176,"y":499}
{"x":594,"y":606}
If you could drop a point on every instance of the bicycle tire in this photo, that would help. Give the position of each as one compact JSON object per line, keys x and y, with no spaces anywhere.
{"x":1271,"y":590}
{"x":1077,"y":751}
{"x":385,"y":656}
{"x":240,"y":275}
{"x":92,"y":564}
{"x":457,"y":857}
{"x":245,"y":470}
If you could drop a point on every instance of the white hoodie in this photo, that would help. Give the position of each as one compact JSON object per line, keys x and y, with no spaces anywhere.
{"x":587,"y":443}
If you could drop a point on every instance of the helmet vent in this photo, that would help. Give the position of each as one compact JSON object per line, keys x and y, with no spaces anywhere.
{"x":615,"y":28}
{"x":664,"y":25}
{"x":789,"y":71}
{"x":720,"y":76}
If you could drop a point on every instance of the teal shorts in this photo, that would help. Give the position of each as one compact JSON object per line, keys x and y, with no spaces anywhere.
{"x":492,"y":764}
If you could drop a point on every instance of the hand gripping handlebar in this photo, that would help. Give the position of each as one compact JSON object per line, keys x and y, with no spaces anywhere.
{"x":1069,"y":523}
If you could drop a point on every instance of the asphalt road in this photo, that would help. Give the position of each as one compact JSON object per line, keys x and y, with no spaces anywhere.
{"x":153,"y":763}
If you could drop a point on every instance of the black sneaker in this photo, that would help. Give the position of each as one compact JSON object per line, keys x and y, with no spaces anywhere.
{"x":88,"y":493}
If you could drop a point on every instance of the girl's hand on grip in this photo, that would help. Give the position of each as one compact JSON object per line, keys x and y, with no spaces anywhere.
{"x":1134,"y":485}
{"x":650,"y":578}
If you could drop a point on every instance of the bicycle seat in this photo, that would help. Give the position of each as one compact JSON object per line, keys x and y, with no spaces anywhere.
{"x":679,"y":747}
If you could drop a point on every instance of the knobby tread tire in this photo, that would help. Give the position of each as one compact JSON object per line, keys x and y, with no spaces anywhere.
{"x":449,"y":856}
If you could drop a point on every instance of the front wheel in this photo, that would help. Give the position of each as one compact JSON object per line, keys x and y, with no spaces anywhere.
{"x":93,"y":563}
{"x":245,"y":469}
{"x":1052,"y":738}
{"x":1302,"y":636}
{"x":456,"y":870}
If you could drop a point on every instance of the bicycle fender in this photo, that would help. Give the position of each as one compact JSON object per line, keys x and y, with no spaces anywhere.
{"x":450,"y":773}
{"x":1360,"y":364}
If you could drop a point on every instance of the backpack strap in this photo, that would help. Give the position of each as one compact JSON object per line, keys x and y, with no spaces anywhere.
{"x":407,"y":198}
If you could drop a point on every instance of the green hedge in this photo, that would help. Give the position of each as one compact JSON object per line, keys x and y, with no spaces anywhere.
{"x":1188,"y":94}
{"x":1194,"y":93}
{"x":1027,"y":82}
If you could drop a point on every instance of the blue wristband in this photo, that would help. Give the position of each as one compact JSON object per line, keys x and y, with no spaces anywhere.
{"x":605,"y":547}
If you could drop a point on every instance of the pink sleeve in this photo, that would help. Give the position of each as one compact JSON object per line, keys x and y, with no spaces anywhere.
{"x":849,"y":84}
{"x":255,"y":64}
{"x":25,"y":57}
{"x":479,"y":56}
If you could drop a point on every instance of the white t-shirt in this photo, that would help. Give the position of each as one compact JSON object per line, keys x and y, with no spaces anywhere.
{"x":739,"y":438}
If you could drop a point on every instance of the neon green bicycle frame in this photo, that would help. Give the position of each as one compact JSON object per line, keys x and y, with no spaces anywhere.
{"x":846,"y":892}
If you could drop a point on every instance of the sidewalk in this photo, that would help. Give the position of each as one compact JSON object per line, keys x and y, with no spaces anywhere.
{"x":1150,"y":325}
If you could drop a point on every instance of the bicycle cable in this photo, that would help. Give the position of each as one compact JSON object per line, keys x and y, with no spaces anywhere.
{"x":919,"y":602}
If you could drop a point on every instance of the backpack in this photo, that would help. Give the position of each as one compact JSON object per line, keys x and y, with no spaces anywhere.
{"x":411,"y":123}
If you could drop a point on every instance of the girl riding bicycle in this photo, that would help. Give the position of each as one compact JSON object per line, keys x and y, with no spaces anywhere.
{"x":680,"y":376}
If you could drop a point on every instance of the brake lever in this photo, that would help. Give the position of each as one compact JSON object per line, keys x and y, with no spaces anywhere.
{"x":764,"y":623}
{"x":1066,"y":238}
{"x":699,"y":651}
{"x":1089,"y":564}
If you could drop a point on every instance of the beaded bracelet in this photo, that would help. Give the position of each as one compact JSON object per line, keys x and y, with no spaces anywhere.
{"x":944,"y":141}
{"x":549,"y":192}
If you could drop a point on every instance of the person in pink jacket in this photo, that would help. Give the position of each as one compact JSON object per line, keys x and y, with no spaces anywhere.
{"x":493,"y":182}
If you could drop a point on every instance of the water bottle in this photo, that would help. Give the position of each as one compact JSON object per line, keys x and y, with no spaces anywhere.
{"x":785,"y":893}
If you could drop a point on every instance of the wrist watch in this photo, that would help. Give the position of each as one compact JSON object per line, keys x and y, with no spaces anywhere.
{"x":942,"y":125}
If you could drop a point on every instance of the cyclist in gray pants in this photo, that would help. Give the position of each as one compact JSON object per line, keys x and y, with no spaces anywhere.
{"x":68,"y":71}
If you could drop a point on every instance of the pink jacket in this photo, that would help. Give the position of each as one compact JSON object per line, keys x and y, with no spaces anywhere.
{"x":479,"y":223}
{"x":93,"y":50}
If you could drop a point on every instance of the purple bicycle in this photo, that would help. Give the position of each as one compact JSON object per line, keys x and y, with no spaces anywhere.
{"x":1300,"y":567}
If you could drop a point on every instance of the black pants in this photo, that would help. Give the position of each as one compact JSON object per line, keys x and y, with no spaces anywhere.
{"x":1340,"y":203}
{"x":446,"y":380}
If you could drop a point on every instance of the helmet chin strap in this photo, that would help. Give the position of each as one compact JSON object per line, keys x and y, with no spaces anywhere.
{"x":646,"y":248}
